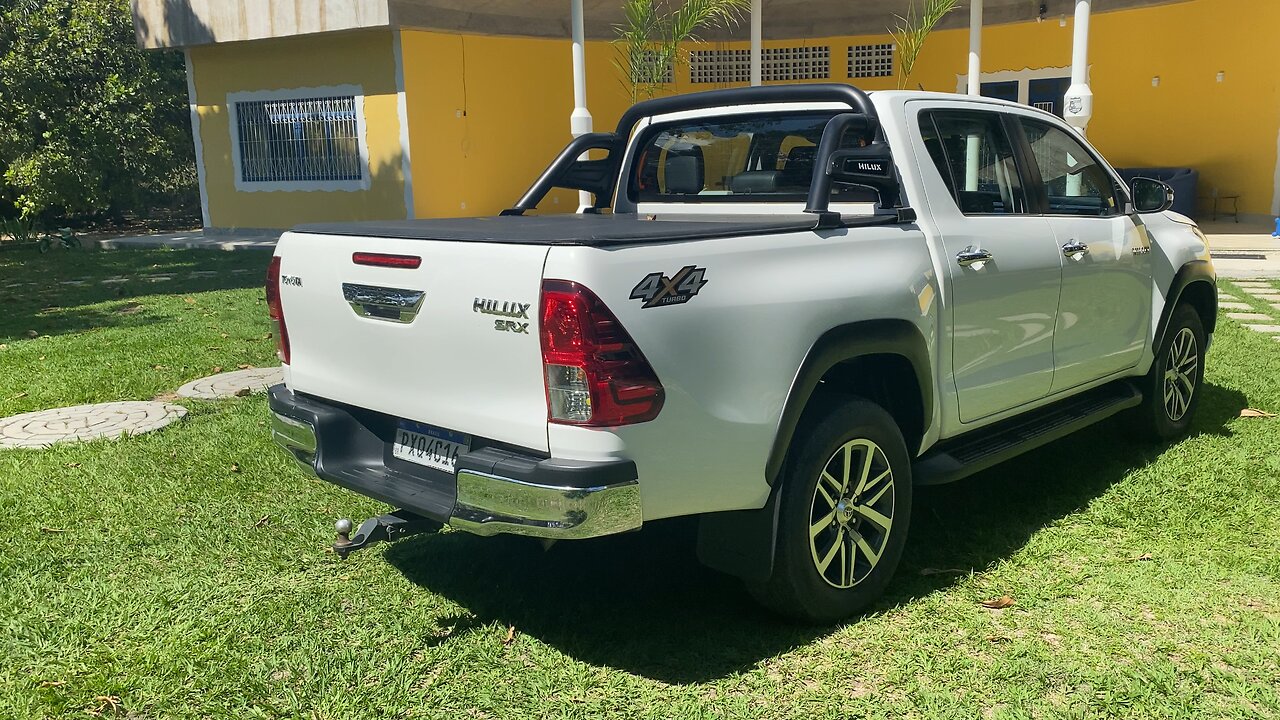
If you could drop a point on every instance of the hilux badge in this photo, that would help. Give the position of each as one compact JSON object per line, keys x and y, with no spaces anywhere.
{"x":505,"y":308}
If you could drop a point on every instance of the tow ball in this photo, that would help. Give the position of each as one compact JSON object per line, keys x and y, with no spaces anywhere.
{"x":393,"y":526}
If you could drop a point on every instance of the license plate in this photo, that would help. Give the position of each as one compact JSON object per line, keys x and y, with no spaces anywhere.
{"x":429,"y":446}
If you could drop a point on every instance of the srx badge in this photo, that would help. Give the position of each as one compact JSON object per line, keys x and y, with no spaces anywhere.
{"x":658,"y":290}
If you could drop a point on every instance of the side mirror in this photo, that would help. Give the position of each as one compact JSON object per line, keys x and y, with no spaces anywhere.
{"x":870,"y":167}
{"x":1151,"y":196}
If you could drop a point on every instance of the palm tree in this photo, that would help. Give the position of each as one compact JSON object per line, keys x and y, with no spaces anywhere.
{"x":648,"y":41}
{"x":912,"y":30}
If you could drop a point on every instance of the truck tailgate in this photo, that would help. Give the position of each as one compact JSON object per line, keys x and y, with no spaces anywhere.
{"x":469,"y":361}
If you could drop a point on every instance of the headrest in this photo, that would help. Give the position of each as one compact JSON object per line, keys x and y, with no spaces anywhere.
{"x":684,"y":172}
{"x":755,"y":181}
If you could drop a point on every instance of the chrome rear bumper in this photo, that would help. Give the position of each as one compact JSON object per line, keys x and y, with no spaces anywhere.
{"x":493,"y":491}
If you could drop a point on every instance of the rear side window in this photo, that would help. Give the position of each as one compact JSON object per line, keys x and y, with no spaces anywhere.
{"x":975,"y":158}
{"x":758,"y":158}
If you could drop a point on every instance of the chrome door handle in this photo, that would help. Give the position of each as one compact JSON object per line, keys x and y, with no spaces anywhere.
{"x":1075,"y":249}
{"x":972,"y":255}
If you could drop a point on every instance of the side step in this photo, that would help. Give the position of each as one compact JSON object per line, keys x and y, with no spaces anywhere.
{"x":980,"y":449}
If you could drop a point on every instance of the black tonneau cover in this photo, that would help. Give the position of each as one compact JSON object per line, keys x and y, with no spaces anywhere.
{"x":571,"y":229}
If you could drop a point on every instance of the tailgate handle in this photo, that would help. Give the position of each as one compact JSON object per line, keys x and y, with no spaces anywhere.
{"x":383,"y":303}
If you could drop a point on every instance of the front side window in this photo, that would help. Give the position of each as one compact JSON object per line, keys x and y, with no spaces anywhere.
{"x":299,"y":142}
{"x":975,"y":158}
{"x":757,"y":158}
{"x":1073,"y":180}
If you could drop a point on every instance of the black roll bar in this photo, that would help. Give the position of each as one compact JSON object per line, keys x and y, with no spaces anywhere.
{"x":600,"y":176}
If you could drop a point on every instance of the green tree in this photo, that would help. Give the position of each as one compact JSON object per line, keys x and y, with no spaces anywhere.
{"x":648,"y":42}
{"x":89,"y":124}
{"x":913,"y":29}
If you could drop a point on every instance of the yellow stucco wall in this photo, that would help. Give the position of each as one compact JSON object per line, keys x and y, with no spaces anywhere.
{"x":487,"y":113}
{"x":358,"y":58}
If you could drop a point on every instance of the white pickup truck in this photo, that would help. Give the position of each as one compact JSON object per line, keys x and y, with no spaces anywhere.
{"x":786,"y":307}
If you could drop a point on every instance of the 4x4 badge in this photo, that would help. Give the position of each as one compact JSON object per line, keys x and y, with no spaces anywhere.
{"x":658,"y":290}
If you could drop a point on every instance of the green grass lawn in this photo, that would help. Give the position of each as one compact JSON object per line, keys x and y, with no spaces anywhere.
{"x":186,"y":574}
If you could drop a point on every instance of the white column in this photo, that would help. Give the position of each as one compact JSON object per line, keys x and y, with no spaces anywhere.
{"x":1077,"y":106}
{"x":975,"y":47}
{"x":757,"y":55}
{"x":974,"y":146}
{"x":580,"y":119}
{"x":1078,"y":103}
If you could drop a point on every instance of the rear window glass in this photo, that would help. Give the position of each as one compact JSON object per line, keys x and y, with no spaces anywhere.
{"x":758,"y":158}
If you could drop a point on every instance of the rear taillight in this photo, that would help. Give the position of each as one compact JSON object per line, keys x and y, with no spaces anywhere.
{"x":276,"y":311}
{"x":596,"y":376}
{"x":408,"y":262}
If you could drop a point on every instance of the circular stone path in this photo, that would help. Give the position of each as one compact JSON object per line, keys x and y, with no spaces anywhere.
{"x":86,"y":422}
{"x":233,"y":384}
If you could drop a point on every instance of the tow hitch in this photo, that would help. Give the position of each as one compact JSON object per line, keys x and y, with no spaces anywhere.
{"x":384,"y":528}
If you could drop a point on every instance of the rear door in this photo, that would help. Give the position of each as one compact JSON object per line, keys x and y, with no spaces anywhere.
{"x":452,"y":343}
{"x":1004,"y":263}
{"x":1104,"y":313}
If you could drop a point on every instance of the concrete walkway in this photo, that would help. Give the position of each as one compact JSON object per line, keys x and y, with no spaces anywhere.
{"x":195,"y":239}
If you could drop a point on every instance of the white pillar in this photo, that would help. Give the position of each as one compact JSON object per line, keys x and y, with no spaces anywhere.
{"x":580,"y":119}
{"x":975,"y":47}
{"x":757,"y":55}
{"x":974,"y":145}
{"x":1077,"y":108}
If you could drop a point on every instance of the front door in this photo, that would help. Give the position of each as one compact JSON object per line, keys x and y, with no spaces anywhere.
{"x":1104,"y":314}
{"x":1003,"y":260}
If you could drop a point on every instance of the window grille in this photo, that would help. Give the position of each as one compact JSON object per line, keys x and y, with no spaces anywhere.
{"x":776,"y":64}
{"x":866,"y":61}
{"x":665,"y":75}
{"x":304,"y":140}
{"x":1047,"y":106}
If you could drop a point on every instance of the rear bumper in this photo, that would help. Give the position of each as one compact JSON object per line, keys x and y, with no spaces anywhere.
{"x":494,"y":490}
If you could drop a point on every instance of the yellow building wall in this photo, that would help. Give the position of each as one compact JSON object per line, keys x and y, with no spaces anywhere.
{"x":486,"y":114}
{"x":358,"y":58}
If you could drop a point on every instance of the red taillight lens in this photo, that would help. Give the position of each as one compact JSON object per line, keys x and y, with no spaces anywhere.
{"x":275,"y":311}
{"x":595,"y":374}
{"x":409,"y":262}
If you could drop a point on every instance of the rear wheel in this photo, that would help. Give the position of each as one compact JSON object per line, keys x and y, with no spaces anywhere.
{"x":846,"y":503}
{"x":1172,"y":387}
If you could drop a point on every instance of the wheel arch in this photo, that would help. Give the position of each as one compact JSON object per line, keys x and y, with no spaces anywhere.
{"x":852,"y":359}
{"x":1196,"y":284}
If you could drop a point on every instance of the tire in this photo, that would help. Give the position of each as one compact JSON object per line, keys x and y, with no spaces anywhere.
{"x":1171,"y":388}
{"x":842,"y":567}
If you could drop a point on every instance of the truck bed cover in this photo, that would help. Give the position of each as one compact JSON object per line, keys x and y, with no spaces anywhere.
{"x":570,"y":229}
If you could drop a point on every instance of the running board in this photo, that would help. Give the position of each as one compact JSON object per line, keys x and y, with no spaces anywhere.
{"x":973,"y":452}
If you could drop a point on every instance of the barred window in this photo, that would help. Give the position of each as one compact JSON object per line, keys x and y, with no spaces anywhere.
{"x":304,"y":142}
{"x":776,"y":64}
{"x":866,"y":61}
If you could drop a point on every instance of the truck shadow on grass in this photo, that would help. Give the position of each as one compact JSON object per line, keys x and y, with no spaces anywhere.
{"x":641,"y":602}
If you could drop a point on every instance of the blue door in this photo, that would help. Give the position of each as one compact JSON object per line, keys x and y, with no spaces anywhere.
{"x":1047,"y":94}
{"x":1001,"y":90}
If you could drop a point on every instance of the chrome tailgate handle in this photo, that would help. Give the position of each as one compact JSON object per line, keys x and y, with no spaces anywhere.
{"x":1075,"y":249}
{"x":396,"y":305}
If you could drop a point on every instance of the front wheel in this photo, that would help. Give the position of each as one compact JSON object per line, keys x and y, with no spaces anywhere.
{"x":846,"y":503}
{"x":1172,"y":387}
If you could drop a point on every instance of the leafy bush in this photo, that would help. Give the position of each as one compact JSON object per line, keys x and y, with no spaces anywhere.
{"x":91,"y":125}
{"x":18,"y":230}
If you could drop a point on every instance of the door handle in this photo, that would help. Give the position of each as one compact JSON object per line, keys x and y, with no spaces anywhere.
{"x":1075,"y":249}
{"x":973,"y":255}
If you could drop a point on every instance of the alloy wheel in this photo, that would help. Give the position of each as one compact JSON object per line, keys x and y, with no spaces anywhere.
{"x":851,"y":514}
{"x":1180,"y":374}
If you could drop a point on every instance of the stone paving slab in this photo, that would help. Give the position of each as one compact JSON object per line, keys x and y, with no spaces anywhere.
{"x":233,"y":384}
{"x":43,"y":428}
{"x":1225,"y":296}
{"x":1248,"y":316}
{"x":1268,"y":297}
{"x":1264,"y":328}
{"x":1233,"y":305}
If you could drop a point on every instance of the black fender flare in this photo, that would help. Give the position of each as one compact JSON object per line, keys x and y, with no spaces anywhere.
{"x":1194,"y":271}
{"x":743,"y":542}
{"x":841,"y":344}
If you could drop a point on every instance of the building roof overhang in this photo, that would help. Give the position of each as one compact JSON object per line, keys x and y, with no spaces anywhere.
{"x":185,"y":23}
